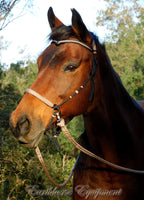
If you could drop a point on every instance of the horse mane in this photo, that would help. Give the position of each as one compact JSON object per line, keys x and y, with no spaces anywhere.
{"x":125,"y":115}
{"x":65,"y":32}
{"x":112,"y":83}
{"x":62,"y":33}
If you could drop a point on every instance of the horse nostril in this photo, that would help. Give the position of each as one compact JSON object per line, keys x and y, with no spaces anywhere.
{"x":23,"y":125}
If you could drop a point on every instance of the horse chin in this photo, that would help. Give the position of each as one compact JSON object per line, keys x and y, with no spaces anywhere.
{"x":32,"y":143}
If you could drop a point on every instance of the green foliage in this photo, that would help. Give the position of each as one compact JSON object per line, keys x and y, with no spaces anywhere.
{"x":20,"y":77}
{"x":127,"y":56}
{"x":125,"y":42}
{"x":117,"y":16}
{"x":1,"y":70}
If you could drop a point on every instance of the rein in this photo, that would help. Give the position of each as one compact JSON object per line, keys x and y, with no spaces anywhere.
{"x":61,"y":122}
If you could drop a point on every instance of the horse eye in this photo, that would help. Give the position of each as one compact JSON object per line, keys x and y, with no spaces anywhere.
{"x":70,"y":68}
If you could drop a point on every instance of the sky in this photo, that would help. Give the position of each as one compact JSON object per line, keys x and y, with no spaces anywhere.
{"x":27,"y":35}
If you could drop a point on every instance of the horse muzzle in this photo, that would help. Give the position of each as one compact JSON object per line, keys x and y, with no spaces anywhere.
{"x":26,"y":133}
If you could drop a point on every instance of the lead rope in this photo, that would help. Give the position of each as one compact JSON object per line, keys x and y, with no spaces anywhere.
{"x":37,"y":150}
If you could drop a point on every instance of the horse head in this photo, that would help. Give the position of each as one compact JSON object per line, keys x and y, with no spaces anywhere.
{"x":63,"y":69}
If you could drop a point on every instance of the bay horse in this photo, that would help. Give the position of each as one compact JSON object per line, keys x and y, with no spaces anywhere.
{"x":76,"y":77}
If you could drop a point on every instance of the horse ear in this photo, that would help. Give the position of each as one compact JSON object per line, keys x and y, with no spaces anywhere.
{"x":79,"y":27}
{"x":52,"y":19}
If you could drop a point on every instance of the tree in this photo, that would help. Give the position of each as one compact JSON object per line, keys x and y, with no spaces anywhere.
{"x":16,"y":66}
{"x":6,"y":8}
{"x":1,"y":70}
{"x":118,"y":16}
{"x":125,"y":44}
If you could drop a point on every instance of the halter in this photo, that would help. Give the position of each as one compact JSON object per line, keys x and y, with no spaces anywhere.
{"x":61,"y":122}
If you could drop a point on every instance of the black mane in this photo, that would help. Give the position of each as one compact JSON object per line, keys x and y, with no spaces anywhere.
{"x":65,"y":32}
{"x":62,"y":33}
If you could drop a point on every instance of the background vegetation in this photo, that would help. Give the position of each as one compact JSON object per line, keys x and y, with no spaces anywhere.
{"x":20,"y":166}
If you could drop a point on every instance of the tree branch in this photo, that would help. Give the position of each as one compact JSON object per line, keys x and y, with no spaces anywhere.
{"x":4,"y":26}
{"x":8,"y":10}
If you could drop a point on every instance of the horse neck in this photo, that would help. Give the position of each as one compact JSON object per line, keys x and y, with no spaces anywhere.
{"x":114,"y":121}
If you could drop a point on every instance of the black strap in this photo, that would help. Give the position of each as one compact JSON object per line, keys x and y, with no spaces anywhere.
{"x":92,"y":75}
{"x":50,"y":124}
